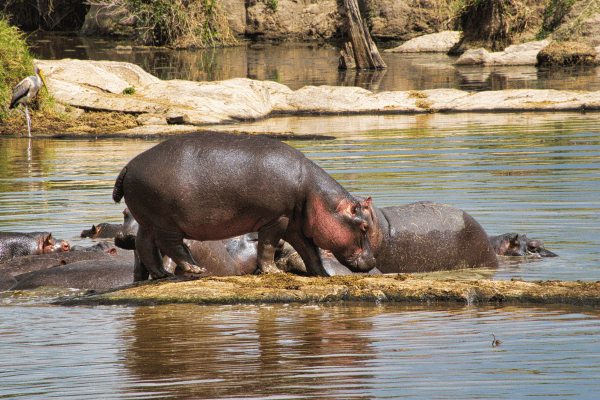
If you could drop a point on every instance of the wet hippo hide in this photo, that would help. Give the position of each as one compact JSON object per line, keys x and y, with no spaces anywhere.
{"x":24,"y":265}
{"x":429,"y":236}
{"x":105,"y":272}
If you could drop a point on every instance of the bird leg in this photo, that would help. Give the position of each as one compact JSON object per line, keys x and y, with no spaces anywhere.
{"x":28,"y":120}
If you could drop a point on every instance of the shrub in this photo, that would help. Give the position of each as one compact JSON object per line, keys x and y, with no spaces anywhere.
{"x":177,"y":23}
{"x":16,"y":63}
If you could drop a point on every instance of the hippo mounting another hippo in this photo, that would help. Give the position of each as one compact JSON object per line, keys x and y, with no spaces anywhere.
{"x":213,"y":185}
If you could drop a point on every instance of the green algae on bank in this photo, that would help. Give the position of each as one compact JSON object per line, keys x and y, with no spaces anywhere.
{"x":288,"y":288}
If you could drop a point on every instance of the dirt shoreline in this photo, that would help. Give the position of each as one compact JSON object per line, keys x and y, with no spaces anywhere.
{"x":288,"y":288}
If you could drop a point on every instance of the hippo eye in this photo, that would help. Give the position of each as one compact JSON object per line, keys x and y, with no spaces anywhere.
{"x":364,"y":227}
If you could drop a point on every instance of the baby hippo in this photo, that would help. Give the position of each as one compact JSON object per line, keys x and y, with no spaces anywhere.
{"x":18,"y":244}
{"x":213,"y":185}
{"x":513,"y":244}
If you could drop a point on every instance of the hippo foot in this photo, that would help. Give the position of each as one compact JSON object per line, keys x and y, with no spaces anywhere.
{"x":269,"y":269}
{"x":191,"y":268}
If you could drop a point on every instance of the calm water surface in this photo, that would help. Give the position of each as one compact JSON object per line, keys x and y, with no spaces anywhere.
{"x":529,"y":173}
{"x":299,"y":64}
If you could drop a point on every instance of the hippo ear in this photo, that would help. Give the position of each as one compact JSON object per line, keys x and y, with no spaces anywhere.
{"x":367,"y":203}
{"x":47,"y":240}
{"x":514,"y":239}
{"x":94,"y":229}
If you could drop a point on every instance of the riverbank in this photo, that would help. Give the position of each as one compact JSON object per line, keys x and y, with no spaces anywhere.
{"x":288,"y":288}
{"x":121,"y":98}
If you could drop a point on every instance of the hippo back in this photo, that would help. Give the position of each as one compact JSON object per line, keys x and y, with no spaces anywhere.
{"x":429,"y":236}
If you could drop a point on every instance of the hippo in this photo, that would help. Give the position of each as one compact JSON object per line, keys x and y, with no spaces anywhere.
{"x":233,"y":256}
{"x":105,"y":271}
{"x":103,"y":230}
{"x":17,"y":244}
{"x":428,"y":236}
{"x":513,"y":244}
{"x":27,"y":264}
{"x":19,"y":268}
{"x":214,"y":185}
{"x":421,"y":237}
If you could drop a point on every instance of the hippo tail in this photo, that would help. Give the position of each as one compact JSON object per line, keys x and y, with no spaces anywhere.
{"x":118,"y":189}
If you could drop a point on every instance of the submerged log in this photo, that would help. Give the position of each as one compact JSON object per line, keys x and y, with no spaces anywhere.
{"x":365,"y":53}
{"x":286,"y":288}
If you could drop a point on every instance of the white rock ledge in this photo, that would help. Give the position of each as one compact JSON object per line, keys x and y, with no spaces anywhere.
{"x":99,"y":85}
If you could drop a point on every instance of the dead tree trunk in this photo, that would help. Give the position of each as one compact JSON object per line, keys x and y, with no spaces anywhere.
{"x":366,"y":55}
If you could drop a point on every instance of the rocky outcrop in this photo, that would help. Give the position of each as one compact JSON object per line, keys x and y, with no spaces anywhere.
{"x":108,"y":20}
{"x":436,"y":43}
{"x":407,"y":19}
{"x":176,"y":105}
{"x":294,"y":19}
{"x":523,"y":54}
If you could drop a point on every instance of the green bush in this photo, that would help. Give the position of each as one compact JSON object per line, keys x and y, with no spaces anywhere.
{"x":16,"y":62}
{"x":178,"y":23}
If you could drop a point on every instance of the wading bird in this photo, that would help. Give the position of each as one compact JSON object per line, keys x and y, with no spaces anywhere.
{"x":25,"y":91}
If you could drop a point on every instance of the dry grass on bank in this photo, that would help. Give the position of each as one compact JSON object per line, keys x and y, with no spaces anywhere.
{"x":49,"y":123}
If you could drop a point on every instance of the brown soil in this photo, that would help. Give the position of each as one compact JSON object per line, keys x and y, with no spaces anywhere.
{"x":567,"y":53}
{"x":286,"y":288}
{"x":50,"y":124}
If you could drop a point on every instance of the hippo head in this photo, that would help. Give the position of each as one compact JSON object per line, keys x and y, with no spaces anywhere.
{"x":50,"y":245}
{"x":125,"y":238}
{"x":345,"y":234}
{"x":513,"y":244}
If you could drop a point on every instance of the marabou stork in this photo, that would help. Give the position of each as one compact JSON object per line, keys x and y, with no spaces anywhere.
{"x":25,"y":91}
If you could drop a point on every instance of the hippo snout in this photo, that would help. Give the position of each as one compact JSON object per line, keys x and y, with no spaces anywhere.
{"x":361,"y":261}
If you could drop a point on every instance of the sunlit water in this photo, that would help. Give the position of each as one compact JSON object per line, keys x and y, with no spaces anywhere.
{"x":529,"y":173}
{"x":532,"y":173}
{"x":299,"y":64}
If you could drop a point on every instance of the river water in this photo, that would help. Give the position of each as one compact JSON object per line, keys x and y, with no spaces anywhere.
{"x":529,"y":173}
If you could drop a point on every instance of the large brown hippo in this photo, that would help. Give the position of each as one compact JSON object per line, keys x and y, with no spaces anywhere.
{"x":428,"y":236}
{"x":17,"y":244}
{"x":232,"y":256}
{"x":213,"y":185}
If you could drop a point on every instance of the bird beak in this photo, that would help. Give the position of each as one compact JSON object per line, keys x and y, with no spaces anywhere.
{"x":43,"y":79}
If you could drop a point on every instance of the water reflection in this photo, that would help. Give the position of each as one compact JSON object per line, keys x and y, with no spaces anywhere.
{"x":254,"y":351}
{"x":299,"y":64}
{"x":359,"y":351}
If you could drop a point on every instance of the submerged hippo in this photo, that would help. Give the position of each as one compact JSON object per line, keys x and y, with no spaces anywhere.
{"x":17,"y":244}
{"x":428,"y":236}
{"x":20,"y":268}
{"x":103,"y":230}
{"x":513,"y":244}
{"x":213,"y":185}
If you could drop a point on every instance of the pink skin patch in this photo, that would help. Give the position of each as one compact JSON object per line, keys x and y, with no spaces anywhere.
{"x":327,"y":230}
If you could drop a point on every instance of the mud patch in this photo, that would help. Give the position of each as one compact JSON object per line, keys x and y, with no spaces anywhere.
{"x":50,"y":124}
{"x":288,"y":288}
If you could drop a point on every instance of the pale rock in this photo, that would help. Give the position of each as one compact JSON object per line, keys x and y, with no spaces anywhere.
{"x":435,"y":42}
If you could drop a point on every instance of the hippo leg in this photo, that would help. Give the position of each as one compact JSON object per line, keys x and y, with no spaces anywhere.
{"x":269,"y":236}
{"x":149,"y":253}
{"x":171,"y":244}
{"x":309,"y":253}
{"x":140,"y":272}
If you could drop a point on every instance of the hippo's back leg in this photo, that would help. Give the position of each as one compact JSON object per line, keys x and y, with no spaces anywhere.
{"x":149,"y":254}
{"x":269,"y":236}
{"x":171,"y":244}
